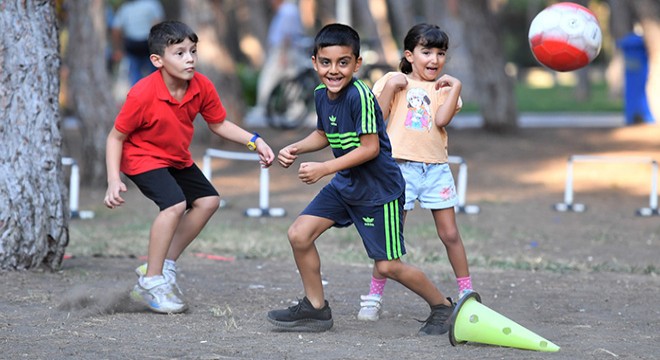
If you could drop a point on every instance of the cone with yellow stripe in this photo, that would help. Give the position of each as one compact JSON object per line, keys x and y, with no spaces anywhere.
{"x":475,"y":322}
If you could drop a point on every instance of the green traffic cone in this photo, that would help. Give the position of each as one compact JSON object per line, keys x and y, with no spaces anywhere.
{"x":475,"y":322}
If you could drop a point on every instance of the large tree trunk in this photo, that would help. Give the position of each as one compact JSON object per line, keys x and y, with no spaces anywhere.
{"x":89,"y":85}
{"x":648,"y":13}
{"x":209,"y":20}
{"x":496,"y":97}
{"x":459,"y":62}
{"x":33,"y":215}
{"x":621,"y":24}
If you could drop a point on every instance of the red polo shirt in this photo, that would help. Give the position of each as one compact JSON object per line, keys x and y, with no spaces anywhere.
{"x":159,"y":128}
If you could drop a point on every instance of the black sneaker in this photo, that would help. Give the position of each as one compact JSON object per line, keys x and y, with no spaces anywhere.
{"x":438,"y":322}
{"x":302,"y":317}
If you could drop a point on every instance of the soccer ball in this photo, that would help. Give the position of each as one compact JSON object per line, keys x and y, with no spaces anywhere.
{"x":565,"y":36}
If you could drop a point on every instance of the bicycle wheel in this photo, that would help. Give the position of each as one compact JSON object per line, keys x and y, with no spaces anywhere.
{"x":372,"y":72}
{"x":291,"y":101}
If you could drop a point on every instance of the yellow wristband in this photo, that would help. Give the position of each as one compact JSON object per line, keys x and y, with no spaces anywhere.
{"x":251,"y":144}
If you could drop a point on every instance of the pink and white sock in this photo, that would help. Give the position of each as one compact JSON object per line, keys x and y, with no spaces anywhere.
{"x":377,"y":286}
{"x":464,"y":283}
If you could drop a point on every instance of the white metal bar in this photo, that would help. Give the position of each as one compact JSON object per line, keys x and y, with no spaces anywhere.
{"x":74,"y":185}
{"x":461,"y":185}
{"x":653,"y":197}
{"x":264,"y":179}
{"x":568,"y":192}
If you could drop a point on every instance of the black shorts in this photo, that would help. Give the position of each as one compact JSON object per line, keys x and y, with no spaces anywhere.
{"x":169,"y":186}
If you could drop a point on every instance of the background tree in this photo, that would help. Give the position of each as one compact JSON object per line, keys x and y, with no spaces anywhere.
{"x":497,"y":98}
{"x":33,"y":216}
{"x":210,"y":20}
{"x":90,"y":87}
{"x":648,"y":15}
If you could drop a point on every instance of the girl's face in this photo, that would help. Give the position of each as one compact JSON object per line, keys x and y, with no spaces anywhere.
{"x":427,"y":63}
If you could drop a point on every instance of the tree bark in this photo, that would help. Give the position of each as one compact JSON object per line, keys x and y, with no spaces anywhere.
{"x":648,"y":14}
{"x":90,"y":87}
{"x":33,"y":215}
{"x":209,"y":20}
{"x":497,"y":99}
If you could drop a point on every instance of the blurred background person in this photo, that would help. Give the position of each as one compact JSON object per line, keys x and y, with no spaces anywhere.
{"x":286,"y":52}
{"x":130,"y":31}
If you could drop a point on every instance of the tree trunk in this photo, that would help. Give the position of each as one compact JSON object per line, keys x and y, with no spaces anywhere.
{"x":209,"y":21}
{"x":497,"y":99}
{"x":90,"y":87}
{"x":33,"y":215}
{"x":648,"y":13}
{"x":620,"y":24}
{"x":459,"y":61}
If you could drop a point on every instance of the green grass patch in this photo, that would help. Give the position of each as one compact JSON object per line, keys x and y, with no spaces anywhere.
{"x":559,"y":98}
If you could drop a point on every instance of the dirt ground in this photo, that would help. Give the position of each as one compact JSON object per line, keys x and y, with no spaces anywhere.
{"x":585,"y":281}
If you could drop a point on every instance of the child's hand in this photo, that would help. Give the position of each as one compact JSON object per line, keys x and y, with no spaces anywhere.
{"x":311,"y":172}
{"x":447,"y":81}
{"x":266,"y":155}
{"x":397,"y":82}
{"x":112,"y":197}
{"x":287,"y":156}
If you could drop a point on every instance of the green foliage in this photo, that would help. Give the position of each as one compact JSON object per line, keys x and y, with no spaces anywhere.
{"x":562,"y":98}
{"x":559,"y":98}
{"x":249,"y":77}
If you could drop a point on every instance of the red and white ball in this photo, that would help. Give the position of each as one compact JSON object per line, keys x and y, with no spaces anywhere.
{"x":565,"y":36}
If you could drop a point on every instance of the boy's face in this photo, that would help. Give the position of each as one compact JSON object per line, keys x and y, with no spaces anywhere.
{"x":178,"y":60}
{"x":335,"y":66}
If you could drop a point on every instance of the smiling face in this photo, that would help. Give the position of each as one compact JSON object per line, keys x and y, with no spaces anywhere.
{"x":335,"y":66}
{"x":427,"y":63}
{"x":178,"y":61}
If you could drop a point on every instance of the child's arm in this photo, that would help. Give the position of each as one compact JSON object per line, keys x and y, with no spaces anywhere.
{"x":232,"y":132}
{"x":113,"y":150}
{"x":446,"y":111}
{"x":311,"y":172}
{"x":313,"y":142}
{"x":392,"y":86}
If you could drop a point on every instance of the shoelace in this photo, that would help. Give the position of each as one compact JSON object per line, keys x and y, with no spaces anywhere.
{"x":435,"y":318}
{"x":296,"y":308}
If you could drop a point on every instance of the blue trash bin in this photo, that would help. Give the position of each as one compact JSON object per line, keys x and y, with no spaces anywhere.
{"x":637,"y":70}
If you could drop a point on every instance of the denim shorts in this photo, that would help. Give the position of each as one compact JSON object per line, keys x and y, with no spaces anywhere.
{"x":430,"y":184}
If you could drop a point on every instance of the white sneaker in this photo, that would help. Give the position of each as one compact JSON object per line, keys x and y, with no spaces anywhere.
{"x":370,"y":307}
{"x":169,"y":272}
{"x":158,"y":294}
{"x":464,"y":292}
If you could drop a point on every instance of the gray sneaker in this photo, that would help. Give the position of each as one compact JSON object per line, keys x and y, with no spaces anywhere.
{"x":438,"y":321}
{"x":169,"y":272}
{"x":160,"y":298}
{"x":302,"y":317}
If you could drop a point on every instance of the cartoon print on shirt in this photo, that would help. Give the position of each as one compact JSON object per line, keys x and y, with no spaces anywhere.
{"x":419,"y":110}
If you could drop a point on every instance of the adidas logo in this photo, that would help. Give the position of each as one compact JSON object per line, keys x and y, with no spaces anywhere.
{"x":333,"y":120}
{"x":368,"y":221}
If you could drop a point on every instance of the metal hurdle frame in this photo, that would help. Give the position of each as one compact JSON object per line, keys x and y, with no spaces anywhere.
{"x":263,"y":209}
{"x":74,"y":191}
{"x":461,"y":187}
{"x":569,"y":205}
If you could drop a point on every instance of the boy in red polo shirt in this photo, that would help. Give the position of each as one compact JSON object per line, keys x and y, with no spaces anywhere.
{"x":150,"y":145}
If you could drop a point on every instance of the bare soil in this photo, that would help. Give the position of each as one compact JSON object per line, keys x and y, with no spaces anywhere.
{"x":585,"y":281}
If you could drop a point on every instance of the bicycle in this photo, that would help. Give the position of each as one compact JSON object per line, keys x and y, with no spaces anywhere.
{"x":291,"y":102}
